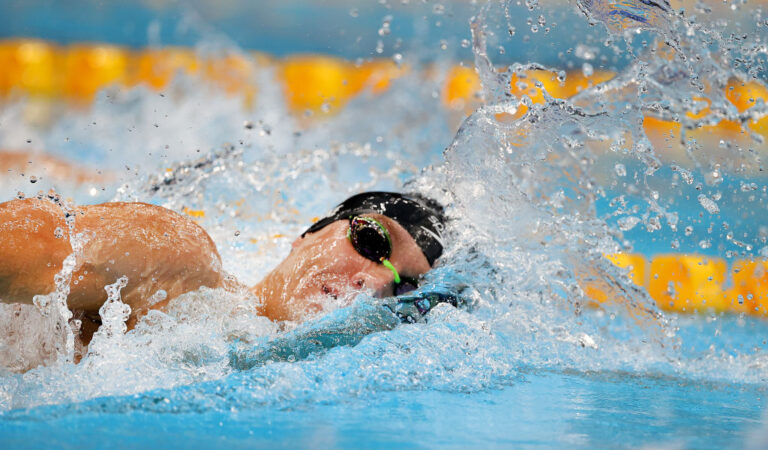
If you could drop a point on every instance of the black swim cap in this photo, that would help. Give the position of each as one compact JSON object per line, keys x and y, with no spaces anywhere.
{"x":422,"y":217}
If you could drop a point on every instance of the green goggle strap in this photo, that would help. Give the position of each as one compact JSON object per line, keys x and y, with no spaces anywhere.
{"x":389,"y":266}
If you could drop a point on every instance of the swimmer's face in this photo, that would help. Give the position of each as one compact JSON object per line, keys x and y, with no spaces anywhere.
{"x":324,"y":265}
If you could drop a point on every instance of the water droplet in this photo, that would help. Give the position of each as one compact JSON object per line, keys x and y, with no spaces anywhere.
{"x":385,"y":26}
{"x":354,"y":12}
{"x":747,"y":187}
{"x":33,"y":179}
{"x":627,"y":223}
{"x":585,"y":52}
{"x":653,"y":224}
{"x":686,"y":175}
{"x":620,"y":169}
{"x":237,"y":233}
{"x":248,"y":125}
{"x":587,"y":69}
{"x":58,"y":233}
{"x":709,"y":204}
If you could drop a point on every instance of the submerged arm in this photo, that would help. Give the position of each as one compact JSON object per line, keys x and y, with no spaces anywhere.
{"x":347,"y":326}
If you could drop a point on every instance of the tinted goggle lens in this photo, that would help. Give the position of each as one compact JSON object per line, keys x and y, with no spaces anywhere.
{"x":370,"y":238}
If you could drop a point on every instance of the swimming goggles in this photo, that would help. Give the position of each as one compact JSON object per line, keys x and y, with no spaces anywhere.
{"x":372,"y":241}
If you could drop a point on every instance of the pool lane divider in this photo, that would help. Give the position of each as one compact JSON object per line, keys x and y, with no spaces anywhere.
{"x":317,"y":85}
{"x":693,"y":283}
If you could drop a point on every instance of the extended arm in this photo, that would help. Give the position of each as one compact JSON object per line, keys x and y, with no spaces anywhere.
{"x":155,"y":248}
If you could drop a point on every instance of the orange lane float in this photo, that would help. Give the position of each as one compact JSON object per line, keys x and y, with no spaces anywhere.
{"x":320,"y":85}
{"x":314,"y":83}
{"x":234,"y":74}
{"x":323,"y":85}
{"x":89,"y":68}
{"x":462,"y":89}
{"x":749,"y":293}
{"x":157,"y":67}
{"x":746,"y":95}
{"x":687,"y":283}
{"x":28,"y":66}
{"x":695,"y":283}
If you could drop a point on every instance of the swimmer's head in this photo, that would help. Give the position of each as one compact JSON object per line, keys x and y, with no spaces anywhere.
{"x":374,"y":241}
{"x":422,"y":217}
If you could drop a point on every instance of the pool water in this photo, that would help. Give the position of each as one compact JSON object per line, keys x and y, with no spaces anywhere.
{"x":538,"y":409}
{"x":536,"y":193}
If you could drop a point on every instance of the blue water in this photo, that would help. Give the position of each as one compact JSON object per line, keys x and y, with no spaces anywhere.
{"x":527,"y":366}
{"x":539,"y":409}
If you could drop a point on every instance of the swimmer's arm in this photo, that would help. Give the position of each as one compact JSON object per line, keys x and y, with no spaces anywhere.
{"x":347,"y":326}
{"x":30,"y":252}
{"x":155,"y":248}
{"x":343,"y":327}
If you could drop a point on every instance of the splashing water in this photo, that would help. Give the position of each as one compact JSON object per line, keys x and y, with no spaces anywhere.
{"x":527,"y":195}
{"x":623,"y":15}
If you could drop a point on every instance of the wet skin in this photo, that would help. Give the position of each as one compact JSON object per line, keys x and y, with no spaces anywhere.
{"x":157,"y":249}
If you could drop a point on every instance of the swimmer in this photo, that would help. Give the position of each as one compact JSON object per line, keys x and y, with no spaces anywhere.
{"x":376,"y":241}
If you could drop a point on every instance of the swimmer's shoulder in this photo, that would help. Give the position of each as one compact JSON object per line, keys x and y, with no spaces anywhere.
{"x":145,"y":216}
